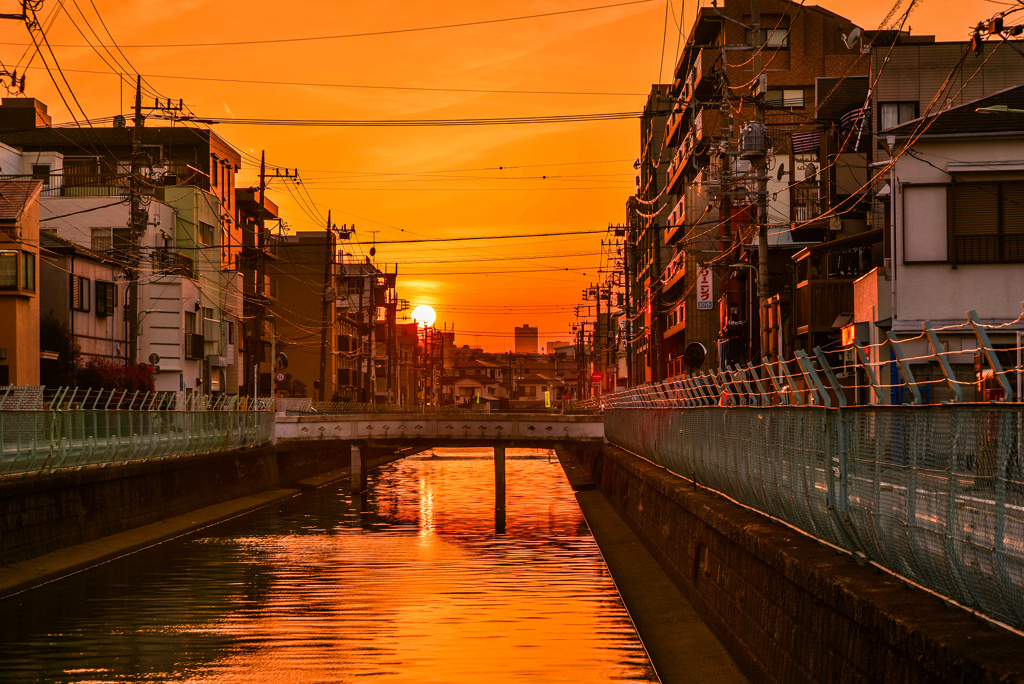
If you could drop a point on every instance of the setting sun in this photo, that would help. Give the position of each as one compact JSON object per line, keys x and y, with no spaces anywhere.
{"x":424,"y":315}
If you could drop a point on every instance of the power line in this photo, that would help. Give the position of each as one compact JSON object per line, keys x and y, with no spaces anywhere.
{"x":487,"y":237}
{"x":366,"y":34}
{"x":359,"y":86}
{"x":393,"y":123}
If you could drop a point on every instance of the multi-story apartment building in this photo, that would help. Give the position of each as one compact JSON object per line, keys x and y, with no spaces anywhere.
{"x":727,"y":126}
{"x":646,"y":253}
{"x":174,"y":282}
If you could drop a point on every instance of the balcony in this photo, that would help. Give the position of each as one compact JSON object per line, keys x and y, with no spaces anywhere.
{"x":702,"y":78}
{"x":707,"y":123}
{"x":676,"y":220}
{"x":818,"y":303}
{"x":167,"y":262}
{"x":675,"y":273}
{"x":679,"y":161}
{"x":674,"y":128}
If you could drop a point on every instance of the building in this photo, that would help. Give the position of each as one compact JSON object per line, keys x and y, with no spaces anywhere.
{"x":526,"y":339}
{"x":19,"y":282}
{"x":850,"y":216}
{"x":957,"y":238}
{"x":184,"y":192}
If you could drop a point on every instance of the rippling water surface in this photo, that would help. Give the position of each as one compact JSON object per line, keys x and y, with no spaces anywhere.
{"x":409,"y":583}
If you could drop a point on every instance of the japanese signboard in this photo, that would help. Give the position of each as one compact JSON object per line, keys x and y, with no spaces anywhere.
{"x":705,"y":289}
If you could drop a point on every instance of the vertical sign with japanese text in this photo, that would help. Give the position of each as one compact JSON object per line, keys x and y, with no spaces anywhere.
{"x":705,"y":289}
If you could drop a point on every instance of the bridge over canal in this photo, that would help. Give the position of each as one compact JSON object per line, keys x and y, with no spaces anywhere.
{"x":354,"y":437}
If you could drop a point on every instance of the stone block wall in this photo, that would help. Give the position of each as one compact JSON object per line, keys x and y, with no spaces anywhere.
{"x":787,"y":608}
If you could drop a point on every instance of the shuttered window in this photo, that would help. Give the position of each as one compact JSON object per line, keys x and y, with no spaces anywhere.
{"x":106,"y":298}
{"x":986,"y":222}
{"x":80,"y":293}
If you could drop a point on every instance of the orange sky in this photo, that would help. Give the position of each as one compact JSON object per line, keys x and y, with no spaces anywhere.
{"x":415,"y":182}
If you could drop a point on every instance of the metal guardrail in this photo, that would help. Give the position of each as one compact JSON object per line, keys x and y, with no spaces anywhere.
{"x":934,"y":494}
{"x":75,"y":428}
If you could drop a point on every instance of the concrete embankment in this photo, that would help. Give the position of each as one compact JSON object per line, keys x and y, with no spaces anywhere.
{"x":785,"y":607}
{"x":54,"y":524}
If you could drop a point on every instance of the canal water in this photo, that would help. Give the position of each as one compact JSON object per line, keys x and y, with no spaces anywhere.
{"x":407,"y":583}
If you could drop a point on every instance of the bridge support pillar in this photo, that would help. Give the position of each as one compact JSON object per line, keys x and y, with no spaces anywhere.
{"x":499,"y":490}
{"x":358,"y":468}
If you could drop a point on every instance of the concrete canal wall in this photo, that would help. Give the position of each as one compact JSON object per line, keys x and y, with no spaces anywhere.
{"x":43,"y":513}
{"x":787,"y":608}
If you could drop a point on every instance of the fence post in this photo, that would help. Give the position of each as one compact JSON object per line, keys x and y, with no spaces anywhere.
{"x":795,"y":398}
{"x":908,"y":375}
{"x":831,"y":376}
{"x":765,"y":400}
{"x":990,"y":354}
{"x":870,"y":372}
{"x":814,"y":382}
{"x":947,"y":371}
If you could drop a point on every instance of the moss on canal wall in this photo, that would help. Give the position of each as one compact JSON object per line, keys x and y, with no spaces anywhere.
{"x":787,"y":608}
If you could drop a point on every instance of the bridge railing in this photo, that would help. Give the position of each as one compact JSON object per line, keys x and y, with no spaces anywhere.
{"x":46,"y":431}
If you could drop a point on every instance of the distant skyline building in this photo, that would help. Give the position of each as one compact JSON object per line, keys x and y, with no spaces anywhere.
{"x":526,"y":339}
{"x":552,"y":347}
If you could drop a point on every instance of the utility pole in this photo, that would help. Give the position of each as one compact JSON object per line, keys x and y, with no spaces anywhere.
{"x":136,"y":227}
{"x":327,"y":302}
{"x":762,"y":178}
{"x":259,"y":302}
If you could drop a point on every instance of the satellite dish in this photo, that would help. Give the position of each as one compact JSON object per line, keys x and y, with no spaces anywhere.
{"x":782,"y":171}
{"x":373,"y":251}
{"x":853,"y":38}
{"x":694,"y":355}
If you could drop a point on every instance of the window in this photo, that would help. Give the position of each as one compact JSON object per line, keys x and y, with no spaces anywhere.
{"x":111,"y":239}
{"x":80,"y":292}
{"x":784,"y":97}
{"x":8,"y":269}
{"x":895,"y":113}
{"x":206,"y":233}
{"x":985,"y":223}
{"x":41,"y":172}
{"x":28,"y":271}
{"x":106,"y":298}
{"x":190,"y":321}
{"x":773,"y":37}
{"x":806,"y":205}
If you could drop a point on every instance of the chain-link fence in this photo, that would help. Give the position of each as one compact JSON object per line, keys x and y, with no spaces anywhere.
{"x":44,"y":431}
{"x":934,"y":494}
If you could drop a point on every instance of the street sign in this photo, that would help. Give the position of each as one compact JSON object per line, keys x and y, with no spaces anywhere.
{"x":279,"y":377}
{"x":705,"y":289}
{"x":597,"y":376}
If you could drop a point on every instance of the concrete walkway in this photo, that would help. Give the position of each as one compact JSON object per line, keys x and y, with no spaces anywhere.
{"x":680,"y":645}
